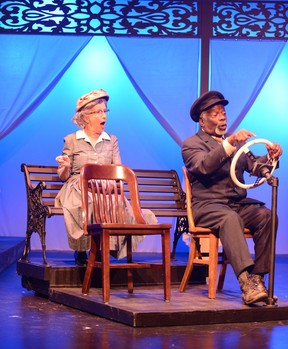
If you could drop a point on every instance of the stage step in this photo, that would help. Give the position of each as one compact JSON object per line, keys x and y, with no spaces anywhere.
{"x":11,"y":249}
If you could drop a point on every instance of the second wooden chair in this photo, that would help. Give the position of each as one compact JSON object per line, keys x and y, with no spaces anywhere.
{"x":214,"y":257}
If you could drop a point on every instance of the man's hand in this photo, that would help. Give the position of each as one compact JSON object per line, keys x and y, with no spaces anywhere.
{"x":275,"y":151}
{"x":240,"y":136}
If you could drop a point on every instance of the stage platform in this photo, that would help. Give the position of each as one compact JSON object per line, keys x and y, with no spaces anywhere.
{"x":11,"y":249}
{"x":61,"y":281}
{"x":146,"y":308}
{"x":62,"y":272}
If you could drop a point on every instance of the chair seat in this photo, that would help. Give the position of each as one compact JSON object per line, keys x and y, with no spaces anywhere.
{"x":132,"y":229}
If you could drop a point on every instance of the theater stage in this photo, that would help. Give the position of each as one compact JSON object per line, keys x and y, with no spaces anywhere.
{"x":61,"y":281}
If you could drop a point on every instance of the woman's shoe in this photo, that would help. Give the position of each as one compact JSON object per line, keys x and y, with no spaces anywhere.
{"x":80,"y":258}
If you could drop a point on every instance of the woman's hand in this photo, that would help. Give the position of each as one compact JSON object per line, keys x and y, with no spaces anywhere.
{"x":63,"y":160}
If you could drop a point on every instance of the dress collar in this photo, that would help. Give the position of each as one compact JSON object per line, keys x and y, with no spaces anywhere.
{"x":80,"y":134}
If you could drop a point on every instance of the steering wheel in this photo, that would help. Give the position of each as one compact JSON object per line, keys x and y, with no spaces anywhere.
{"x":245,"y":149}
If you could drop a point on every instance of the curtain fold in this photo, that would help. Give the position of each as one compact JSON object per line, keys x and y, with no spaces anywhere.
{"x":30,"y":68}
{"x":165,"y":74}
{"x":239,"y":69}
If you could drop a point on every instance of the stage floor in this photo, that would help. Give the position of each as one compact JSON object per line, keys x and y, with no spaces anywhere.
{"x":61,"y":283}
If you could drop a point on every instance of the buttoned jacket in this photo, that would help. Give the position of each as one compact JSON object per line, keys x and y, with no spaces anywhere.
{"x":208,"y":166}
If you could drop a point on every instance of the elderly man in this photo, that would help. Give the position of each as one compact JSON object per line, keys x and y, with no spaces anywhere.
{"x":221,"y":205}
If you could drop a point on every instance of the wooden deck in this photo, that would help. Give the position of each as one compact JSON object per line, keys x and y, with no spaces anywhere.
{"x":60,"y":282}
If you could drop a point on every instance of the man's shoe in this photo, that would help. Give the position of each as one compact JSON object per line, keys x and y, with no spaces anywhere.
{"x":252,"y":292}
{"x":80,"y":258}
{"x":258,"y":281}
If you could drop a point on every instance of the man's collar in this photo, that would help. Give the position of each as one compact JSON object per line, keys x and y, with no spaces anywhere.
{"x":206,"y":136}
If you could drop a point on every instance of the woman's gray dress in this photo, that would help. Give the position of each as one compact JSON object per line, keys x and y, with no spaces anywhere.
{"x":80,"y":151}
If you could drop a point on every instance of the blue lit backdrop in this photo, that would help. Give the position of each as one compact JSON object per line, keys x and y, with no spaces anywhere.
{"x":144,"y":141}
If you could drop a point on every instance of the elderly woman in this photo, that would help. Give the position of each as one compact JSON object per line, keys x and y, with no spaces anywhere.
{"x":90,"y":144}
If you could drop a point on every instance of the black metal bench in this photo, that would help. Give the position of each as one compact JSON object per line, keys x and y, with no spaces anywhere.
{"x":160,"y":191}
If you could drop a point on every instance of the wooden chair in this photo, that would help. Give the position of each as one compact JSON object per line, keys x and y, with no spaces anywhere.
{"x":214,"y":257}
{"x":105,"y":186}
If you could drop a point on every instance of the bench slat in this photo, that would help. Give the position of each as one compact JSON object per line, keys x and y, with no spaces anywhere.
{"x":48,"y":202}
{"x":40,"y":169}
{"x":156,"y":182}
{"x":41,"y":178}
{"x":156,"y":173}
{"x":54,"y":186}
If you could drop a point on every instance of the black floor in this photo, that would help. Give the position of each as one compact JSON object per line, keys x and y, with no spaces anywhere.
{"x":30,"y":321}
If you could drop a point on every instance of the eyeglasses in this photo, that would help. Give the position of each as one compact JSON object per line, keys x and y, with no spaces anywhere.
{"x":99,"y":112}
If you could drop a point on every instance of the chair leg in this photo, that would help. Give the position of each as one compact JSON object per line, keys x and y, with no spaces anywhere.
{"x":166,"y":264}
{"x":105,"y":248}
{"x":222,"y":272}
{"x":213,"y":266}
{"x":90,"y":266}
{"x":189,"y":267}
{"x":129,"y":260}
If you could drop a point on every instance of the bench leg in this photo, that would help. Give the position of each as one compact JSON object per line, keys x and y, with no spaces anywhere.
{"x":36,"y":225}
{"x":43,"y":244}
{"x":180,"y":228}
{"x":27,"y":246}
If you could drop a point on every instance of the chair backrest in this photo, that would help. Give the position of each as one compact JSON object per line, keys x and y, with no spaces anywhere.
{"x":105,"y":186}
{"x":188,"y":188}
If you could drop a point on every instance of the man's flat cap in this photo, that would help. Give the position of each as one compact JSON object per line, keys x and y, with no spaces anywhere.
{"x":206,"y":101}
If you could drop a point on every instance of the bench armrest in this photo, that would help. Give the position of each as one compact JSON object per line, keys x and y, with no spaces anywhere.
{"x":35,"y":204}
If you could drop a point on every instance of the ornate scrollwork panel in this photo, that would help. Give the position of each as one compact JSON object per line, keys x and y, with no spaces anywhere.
{"x":102,"y":17}
{"x":243,"y":19}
